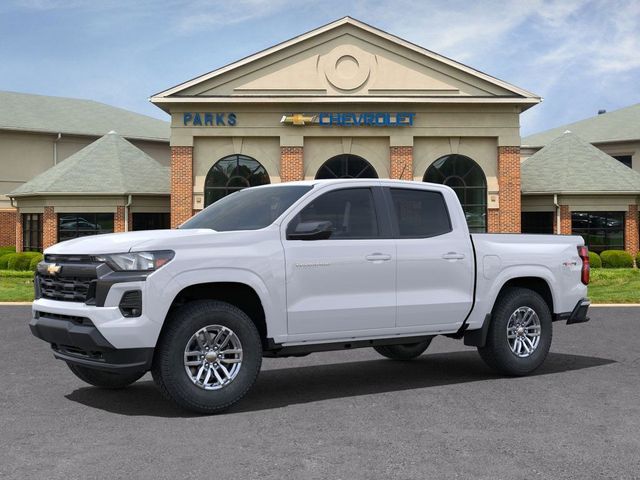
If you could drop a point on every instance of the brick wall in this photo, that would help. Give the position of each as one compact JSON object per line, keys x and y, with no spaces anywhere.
{"x":49,"y":227}
{"x":181,"y":184}
{"x":8,"y":230}
{"x":291,"y":164}
{"x":493,"y":220}
{"x":631,"y":241}
{"x":401,"y":159}
{"x":118,"y":220}
{"x":565,"y":220}
{"x":509,"y":184}
{"x":18,"y":232}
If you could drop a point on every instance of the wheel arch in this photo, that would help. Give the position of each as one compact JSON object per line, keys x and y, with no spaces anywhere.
{"x":239,"y":294}
{"x":537,"y":284}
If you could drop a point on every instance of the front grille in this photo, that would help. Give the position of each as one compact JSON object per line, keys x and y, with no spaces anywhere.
{"x":85,"y":259}
{"x":68,"y":289}
{"x":67,"y":278}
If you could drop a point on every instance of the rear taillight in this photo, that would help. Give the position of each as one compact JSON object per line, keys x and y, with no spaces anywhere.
{"x":583,"y":252}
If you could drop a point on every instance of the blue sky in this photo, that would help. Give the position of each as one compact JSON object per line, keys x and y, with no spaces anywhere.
{"x":579,"y":55}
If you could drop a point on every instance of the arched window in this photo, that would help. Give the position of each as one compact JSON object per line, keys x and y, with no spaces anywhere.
{"x":468,"y":181}
{"x":346,"y":166}
{"x":230,"y":174}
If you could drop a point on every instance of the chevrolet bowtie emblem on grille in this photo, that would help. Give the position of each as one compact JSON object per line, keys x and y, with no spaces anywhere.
{"x":54,"y":269}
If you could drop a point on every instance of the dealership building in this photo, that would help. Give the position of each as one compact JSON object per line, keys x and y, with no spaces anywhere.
{"x":346,"y":100}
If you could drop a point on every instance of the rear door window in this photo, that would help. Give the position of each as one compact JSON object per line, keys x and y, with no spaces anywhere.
{"x":420,"y":213}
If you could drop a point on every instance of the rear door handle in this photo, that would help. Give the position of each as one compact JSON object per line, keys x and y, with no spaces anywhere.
{"x":378,"y":257}
{"x":453,"y":256}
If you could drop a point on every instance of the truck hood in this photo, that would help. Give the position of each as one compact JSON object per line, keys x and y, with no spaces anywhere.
{"x":124,"y":242}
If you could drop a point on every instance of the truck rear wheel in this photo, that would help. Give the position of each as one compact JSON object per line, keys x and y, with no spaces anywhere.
{"x":104,"y":379}
{"x":407,"y":351}
{"x":208,"y":356}
{"x":520,"y":333}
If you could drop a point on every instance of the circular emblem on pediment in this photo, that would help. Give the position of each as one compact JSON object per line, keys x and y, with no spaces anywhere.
{"x":347,"y":67}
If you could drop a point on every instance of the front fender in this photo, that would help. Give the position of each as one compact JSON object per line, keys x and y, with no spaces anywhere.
{"x":276,"y":324}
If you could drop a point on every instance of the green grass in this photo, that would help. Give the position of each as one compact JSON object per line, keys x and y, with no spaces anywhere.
{"x":16,"y":286}
{"x":615,"y":285}
{"x":608,"y":285}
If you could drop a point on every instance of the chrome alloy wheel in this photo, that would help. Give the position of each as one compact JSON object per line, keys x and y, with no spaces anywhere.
{"x":523,"y":332}
{"x":213,"y":357}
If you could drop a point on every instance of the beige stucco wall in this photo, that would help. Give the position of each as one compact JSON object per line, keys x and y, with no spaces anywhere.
{"x":373,"y":149}
{"x":94,"y":204}
{"x":472,"y":130}
{"x":24,"y":155}
{"x":537,"y":203}
{"x":579,"y":203}
{"x":208,"y":150}
{"x":374,"y":65}
{"x":483,"y":151}
{"x":263,"y":120}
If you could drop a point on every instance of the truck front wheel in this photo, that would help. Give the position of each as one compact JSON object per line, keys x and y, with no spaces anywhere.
{"x":208,"y":356}
{"x":104,"y":379}
{"x":403,"y":352}
{"x":520,"y":333}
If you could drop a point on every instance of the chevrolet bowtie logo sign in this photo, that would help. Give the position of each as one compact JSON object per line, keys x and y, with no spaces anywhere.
{"x":53,"y":269}
{"x":299,"y":119}
{"x":350,"y":119}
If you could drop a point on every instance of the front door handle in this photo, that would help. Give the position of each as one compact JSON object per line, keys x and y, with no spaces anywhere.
{"x":453,"y":256}
{"x":378,"y":257}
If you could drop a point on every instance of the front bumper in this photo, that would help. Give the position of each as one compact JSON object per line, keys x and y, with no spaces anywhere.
{"x":75,"y":339}
{"x":578,"y":314}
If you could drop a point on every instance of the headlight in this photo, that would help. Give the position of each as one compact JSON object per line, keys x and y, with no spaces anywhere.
{"x":137,"y":261}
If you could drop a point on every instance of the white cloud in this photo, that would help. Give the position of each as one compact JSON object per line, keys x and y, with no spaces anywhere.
{"x":207,"y":14}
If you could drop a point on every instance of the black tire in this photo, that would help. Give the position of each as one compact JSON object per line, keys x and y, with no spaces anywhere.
{"x":405,"y":352}
{"x":168,"y":368}
{"x":497,"y":352}
{"x":104,"y":379}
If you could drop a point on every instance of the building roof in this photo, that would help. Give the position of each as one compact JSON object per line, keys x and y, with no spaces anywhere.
{"x":570,"y":164}
{"x":74,"y":116}
{"x":509,"y":92}
{"x":109,"y":166}
{"x":616,"y":126}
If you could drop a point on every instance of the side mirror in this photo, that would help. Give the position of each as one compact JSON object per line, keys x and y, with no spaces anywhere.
{"x":311,"y":231}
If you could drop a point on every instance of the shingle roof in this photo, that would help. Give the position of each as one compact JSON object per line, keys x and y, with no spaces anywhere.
{"x":616,"y":126}
{"x":110,"y":165}
{"x":73,"y":116}
{"x":570,"y":164}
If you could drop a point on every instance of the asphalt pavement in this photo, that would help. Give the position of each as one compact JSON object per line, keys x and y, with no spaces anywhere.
{"x":339,"y":415}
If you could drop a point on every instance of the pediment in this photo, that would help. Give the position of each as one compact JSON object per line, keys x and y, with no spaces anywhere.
{"x":346,"y":58}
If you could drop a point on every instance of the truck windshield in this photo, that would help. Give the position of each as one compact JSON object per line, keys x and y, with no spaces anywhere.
{"x":248,"y":209}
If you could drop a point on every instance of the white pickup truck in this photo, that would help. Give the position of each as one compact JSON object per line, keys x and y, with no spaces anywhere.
{"x":294,"y":268}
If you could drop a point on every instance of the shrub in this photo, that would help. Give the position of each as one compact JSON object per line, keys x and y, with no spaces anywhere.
{"x":594,"y":260}
{"x":616,"y":259}
{"x":5,"y":250}
{"x":637,"y":260}
{"x":20,"y":261}
{"x":35,"y":260}
{"x":4,"y":260}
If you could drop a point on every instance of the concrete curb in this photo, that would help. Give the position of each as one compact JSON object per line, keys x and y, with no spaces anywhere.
{"x":5,"y":304}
